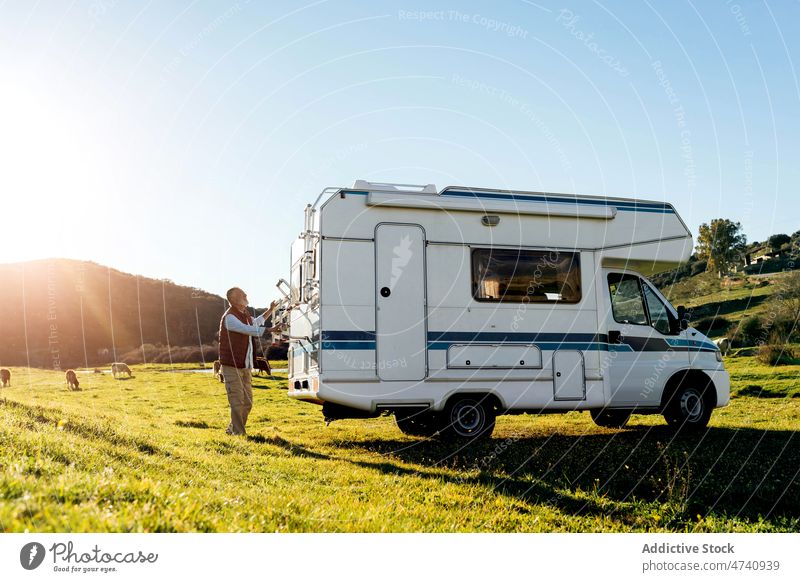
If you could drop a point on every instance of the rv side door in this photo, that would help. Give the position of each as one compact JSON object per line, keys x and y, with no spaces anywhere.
{"x":400,"y":302}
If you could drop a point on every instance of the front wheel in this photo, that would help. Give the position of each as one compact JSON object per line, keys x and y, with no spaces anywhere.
{"x":468,"y":418}
{"x":688,"y":409}
{"x":611,"y":418}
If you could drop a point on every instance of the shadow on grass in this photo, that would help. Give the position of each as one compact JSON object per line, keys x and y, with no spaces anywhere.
{"x":722,"y":472}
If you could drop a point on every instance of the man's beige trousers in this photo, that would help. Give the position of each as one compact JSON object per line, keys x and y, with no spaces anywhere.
{"x":240,"y":397}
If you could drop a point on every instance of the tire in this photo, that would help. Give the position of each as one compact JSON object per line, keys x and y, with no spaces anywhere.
{"x":688,"y":409}
{"x":610,"y":418}
{"x":468,"y":418}
{"x":416,"y":422}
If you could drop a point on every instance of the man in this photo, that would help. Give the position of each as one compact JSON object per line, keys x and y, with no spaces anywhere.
{"x":236,"y":328}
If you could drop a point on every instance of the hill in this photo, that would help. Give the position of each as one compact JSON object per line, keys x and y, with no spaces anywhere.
{"x":62,"y":313}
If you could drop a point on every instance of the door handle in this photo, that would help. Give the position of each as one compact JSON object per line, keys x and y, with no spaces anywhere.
{"x":614,"y":336}
{"x":385,"y":291}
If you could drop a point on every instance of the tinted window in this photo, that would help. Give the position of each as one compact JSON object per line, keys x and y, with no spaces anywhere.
{"x":627,"y":305}
{"x":659,"y":317}
{"x":518,"y":275}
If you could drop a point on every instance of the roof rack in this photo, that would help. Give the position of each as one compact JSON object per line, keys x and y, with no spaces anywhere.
{"x":387,"y":187}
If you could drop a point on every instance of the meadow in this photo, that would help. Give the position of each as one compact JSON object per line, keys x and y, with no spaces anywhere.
{"x":149,"y":454}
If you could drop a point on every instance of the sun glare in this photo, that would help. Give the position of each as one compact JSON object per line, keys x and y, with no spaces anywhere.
{"x":51,"y":171}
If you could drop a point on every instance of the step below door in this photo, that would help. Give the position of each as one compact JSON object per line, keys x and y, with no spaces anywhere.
{"x":569,"y":377}
{"x":401,"y":330}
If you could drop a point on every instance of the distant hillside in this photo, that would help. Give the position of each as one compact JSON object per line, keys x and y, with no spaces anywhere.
{"x":65,"y":313}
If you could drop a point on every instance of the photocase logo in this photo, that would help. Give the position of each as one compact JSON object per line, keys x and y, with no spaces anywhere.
{"x":31,"y":555}
{"x":402,"y":255}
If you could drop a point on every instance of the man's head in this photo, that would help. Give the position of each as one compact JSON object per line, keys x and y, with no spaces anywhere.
{"x":237,"y":298}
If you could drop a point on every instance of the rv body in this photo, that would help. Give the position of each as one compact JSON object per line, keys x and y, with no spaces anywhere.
{"x":408,"y":300}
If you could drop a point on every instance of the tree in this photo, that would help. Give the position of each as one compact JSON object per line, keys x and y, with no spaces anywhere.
{"x":776,"y":241}
{"x":721,"y":244}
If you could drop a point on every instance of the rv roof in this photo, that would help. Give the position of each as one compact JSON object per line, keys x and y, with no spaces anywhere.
{"x":431,"y":189}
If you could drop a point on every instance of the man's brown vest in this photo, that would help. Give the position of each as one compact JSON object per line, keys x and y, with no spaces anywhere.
{"x":233,"y":346}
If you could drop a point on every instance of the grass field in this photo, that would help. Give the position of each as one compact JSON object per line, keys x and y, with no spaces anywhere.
{"x":149,"y":454}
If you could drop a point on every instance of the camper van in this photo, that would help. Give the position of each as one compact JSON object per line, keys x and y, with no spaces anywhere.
{"x":447,"y":308}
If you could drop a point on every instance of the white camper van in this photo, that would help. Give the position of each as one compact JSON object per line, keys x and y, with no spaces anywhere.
{"x":447,"y":308}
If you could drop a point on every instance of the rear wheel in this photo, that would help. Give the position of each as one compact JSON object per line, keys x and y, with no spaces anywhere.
{"x":688,"y":409}
{"x":468,"y":418}
{"x":609,"y":418}
{"x":416,"y":422}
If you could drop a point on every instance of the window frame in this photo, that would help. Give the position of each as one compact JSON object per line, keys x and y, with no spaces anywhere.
{"x":474,"y":281}
{"x":674,"y":329}
{"x":638,"y":280}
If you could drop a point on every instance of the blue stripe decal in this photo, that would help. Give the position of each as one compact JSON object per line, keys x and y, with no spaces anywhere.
{"x":470,"y":336}
{"x":440,"y":340}
{"x":348,"y":345}
{"x":354,"y":335}
{"x":633,"y":206}
{"x":683,"y":343}
{"x":546,"y":346}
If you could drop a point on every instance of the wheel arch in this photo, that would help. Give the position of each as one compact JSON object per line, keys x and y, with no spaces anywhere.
{"x":691,"y":377}
{"x":483,"y":395}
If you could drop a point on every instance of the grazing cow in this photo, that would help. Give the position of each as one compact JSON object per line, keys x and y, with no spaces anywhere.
{"x":5,"y":377}
{"x":218,"y":371}
{"x":72,"y":380}
{"x":724,"y":345}
{"x":262,"y":365}
{"x":119,"y":368}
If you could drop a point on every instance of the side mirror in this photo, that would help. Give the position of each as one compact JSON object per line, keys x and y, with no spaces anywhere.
{"x":682,"y":319}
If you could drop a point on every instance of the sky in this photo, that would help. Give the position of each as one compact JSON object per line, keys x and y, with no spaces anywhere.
{"x":182,"y":140}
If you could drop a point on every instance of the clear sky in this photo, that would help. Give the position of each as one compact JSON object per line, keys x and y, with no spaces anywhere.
{"x":182,"y":140}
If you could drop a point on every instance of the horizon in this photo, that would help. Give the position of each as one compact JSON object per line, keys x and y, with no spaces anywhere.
{"x":130,"y":134}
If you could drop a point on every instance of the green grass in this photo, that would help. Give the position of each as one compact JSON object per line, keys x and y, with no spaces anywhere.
{"x":149,"y":454}
{"x":751,"y":378}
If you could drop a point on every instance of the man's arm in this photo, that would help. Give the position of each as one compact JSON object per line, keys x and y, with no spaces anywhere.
{"x":272,"y":307}
{"x":234,"y":325}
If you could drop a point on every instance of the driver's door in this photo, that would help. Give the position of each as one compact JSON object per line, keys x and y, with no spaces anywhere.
{"x":642,"y":331}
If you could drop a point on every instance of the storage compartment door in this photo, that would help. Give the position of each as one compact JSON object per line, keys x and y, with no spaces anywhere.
{"x":569,"y":378}
{"x":401,"y":330}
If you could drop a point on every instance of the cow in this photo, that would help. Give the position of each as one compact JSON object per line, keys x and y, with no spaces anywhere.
{"x":98,"y":371}
{"x":218,"y":371}
{"x":724,"y":345}
{"x":262,"y":365}
{"x":72,"y":380}
{"x":119,"y":368}
{"x":5,"y":377}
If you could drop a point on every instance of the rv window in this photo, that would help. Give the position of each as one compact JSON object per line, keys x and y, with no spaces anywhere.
{"x":626,"y":299}
{"x":519,"y":275}
{"x":659,"y":316}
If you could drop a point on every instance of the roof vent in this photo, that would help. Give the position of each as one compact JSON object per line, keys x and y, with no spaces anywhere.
{"x":386,"y":187}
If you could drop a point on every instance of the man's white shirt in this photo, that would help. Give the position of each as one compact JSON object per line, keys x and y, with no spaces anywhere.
{"x":232,"y":323}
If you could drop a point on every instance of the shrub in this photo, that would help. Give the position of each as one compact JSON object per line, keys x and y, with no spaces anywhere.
{"x":278,"y":351}
{"x":749,"y":332}
{"x":775,"y":354}
{"x":710,"y":325}
{"x":698,"y":267}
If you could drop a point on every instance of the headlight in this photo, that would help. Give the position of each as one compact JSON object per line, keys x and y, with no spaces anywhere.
{"x":718,"y":354}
